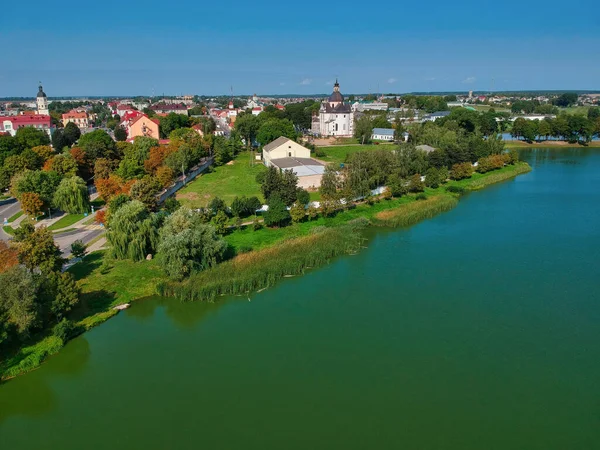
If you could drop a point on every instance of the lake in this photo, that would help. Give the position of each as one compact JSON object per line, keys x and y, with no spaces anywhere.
{"x":478,"y":329}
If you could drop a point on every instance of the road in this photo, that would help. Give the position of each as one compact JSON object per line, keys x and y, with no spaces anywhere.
{"x":64,"y":240}
{"x":8,"y":210}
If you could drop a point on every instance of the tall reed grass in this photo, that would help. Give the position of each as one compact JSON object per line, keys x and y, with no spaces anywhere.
{"x":414,"y":212}
{"x":261,"y":269}
{"x":496,"y":177}
{"x":29,"y":358}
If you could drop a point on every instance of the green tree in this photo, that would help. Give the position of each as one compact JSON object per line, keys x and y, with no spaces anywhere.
{"x":330,"y":181}
{"x":132,"y":232}
{"x":273,"y":128}
{"x":72,"y":196}
{"x":78,"y":249}
{"x":98,"y":144}
{"x":247,"y":125}
{"x":64,"y":164}
{"x":42,"y":183}
{"x":297,"y":212}
{"x":220,"y":222}
{"x":60,"y":293}
{"x":544,"y":128}
{"x":216,"y":205}
{"x":32,"y":204}
{"x":363,"y":129}
{"x":146,"y":190}
{"x":188,"y":245}
{"x":172,"y":122}
{"x":120,"y":133}
{"x":29,"y":137}
{"x":19,"y":309}
{"x":277,"y":215}
{"x":37,"y":250}
{"x":71,"y":133}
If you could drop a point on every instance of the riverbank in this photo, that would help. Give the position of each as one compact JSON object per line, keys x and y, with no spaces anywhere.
{"x":546,"y":144}
{"x":106,"y":283}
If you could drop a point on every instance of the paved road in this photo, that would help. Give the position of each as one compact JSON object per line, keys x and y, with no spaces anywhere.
{"x":6,"y":212}
{"x":64,"y":240}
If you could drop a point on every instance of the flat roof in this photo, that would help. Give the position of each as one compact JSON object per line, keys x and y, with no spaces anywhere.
{"x":300,"y":166}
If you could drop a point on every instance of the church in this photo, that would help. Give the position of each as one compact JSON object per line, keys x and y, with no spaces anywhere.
{"x":42,"y":102}
{"x":335,"y":117}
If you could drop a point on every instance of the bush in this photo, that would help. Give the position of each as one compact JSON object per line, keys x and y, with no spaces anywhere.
{"x":63,"y":330}
{"x":421,"y":196}
{"x":490,"y":163}
{"x":260,"y":177}
{"x":456,"y":189}
{"x":78,"y":249}
{"x":415,"y":184}
{"x":461,"y":171}
{"x":320,"y":153}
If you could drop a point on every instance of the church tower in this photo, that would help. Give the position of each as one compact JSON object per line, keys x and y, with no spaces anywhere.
{"x":42,"y":101}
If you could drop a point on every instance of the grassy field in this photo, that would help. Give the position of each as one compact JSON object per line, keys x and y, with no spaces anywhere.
{"x":8,"y":230}
{"x":66,"y":221}
{"x":338,"y":153}
{"x":226,"y":182}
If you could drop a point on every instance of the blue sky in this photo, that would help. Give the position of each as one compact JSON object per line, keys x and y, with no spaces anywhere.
{"x":277,"y":47}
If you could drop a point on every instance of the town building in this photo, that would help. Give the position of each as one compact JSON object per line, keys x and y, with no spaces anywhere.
{"x":42,"y":102}
{"x":370,"y":106}
{"x":10,"y":124}
{"x":335,"y":117}
{"x":139,"y":124}
{"x":435,"y":116}
{"x":163,"y":108}
{"x":78,"y":117}
{"x":383,"y":134}
{"x":286,"y":154}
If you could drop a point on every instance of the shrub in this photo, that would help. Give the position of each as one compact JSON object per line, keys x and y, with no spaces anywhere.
{"x":490,"y":163}
{"x":63,"y":330}
{"x":415,"y":184}
{"x":78,"y":249}
{"x":320,"y":153}
{"x":421,"y":196}
{"x":461,"y":171}
{"x":456,"y":189}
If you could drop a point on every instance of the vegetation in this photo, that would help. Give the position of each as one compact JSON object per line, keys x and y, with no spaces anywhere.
{"x":66,"y":221}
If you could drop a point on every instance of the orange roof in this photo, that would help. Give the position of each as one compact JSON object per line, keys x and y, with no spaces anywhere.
{"x":75,"y":115}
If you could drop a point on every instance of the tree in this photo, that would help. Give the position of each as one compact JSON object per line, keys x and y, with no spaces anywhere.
{"x":270,"y":182}
{"x":165,"y":175}
{"x":60,"y":293}
{"x":565,"y":100}
{"x":146,"y":190}
{"x":38,"y":251}
{"x":9,"y":256}
{"x":461,"y":171}
{"x":173,"y":121}
{"x":58,"y":140}
{"x":63,"y":164}
{"x":297,"y":212}
{"x":433,"y":178}
{"x":72,"y":196}
{"x":120,"y":134}
{"x":415,"y":184}
{"x":29,"y":137}
{"x":71,"y":133}
{"x":171,"y":205}
{"x":32,"y":204}
{"x":247,"y":125}
{"x":273,"y":128}
{"x":132,"y":232}
{"x":112,"y":186}
{"x":277,"y":214}
{"x":220,"y":222}
{"x":104,"y":167}
{"x":284,"y":184}
{"x":45,"y":152}
{"x":98,"y":144}
{"x":78,"y":249}
{"x":544,"y":128}
{"x":39,"y":182}
{"x":156,"y":158}
{"x":593,"y":113}
{"x":188,"y":245}
{"x":363,"y":129}
{"x":216,"y":205}
{"x":18,"y":289}
{"x":330,"y":181}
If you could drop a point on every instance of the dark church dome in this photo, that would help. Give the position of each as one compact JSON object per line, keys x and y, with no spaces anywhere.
{"x":336,"y":96}
{"x":41,"y":92}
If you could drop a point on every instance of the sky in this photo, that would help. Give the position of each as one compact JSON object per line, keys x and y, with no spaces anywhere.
{"x":116,"y":48}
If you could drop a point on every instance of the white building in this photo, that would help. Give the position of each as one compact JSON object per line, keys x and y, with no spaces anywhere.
{"x":42,"y":102}
{"x":383,"y":134}
{"x":335,"y":117}
{"x":283,"y":147}
{"x":372,"y":106}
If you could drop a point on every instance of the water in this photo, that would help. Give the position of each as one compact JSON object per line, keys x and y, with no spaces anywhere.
{"x":475,"y":330}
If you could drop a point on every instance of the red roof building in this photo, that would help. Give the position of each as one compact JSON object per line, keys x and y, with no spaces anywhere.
{"x":10,"y":124}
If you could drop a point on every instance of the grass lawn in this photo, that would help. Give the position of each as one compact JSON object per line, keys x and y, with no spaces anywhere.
{"x":338,"y":153}
{"x":8,"y":230}
{"x":225,"y":182}
{"x":65,"y":221}
{"x":576,"y":110}
{"x":15,"y":217}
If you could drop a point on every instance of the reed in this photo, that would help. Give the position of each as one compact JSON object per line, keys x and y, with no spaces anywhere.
{"x":28,"y":358}
{"x":414,"y":212}
{"x":496,"y":177}
{"x":261,"y":269}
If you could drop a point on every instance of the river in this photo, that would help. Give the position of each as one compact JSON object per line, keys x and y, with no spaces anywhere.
{"x":478,"y":329}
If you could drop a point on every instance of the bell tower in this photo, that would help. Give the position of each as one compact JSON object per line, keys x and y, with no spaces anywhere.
{"x":42,"y":101}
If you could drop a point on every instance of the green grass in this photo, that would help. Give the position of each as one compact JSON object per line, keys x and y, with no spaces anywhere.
{"x":66,"y":221}
{"x":15,"y":217}
{"x":4,"y":197}
{"x":338,"y":153}
{"x":30,"y":357}
{"x":226,"y":182}
{"x":64,"y":230}
{"x":9,"y":230}
{"x":576,"y":110}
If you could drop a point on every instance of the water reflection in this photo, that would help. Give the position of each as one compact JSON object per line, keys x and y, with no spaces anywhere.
{"x":538,"y":156}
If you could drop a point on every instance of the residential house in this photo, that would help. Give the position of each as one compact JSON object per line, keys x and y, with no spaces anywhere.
{"x":383,"y":134}
{"x":78,"y":117}
{"x":163,"y":108}
{"x":141,"y":125}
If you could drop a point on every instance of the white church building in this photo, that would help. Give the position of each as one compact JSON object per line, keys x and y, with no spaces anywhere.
{"x":335,"y":117}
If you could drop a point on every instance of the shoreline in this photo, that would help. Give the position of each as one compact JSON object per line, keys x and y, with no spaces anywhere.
{"x":248,"y":272}
{"x":542,"y":144}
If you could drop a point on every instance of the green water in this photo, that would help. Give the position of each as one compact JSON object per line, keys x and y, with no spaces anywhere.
{"x":478,"y":329}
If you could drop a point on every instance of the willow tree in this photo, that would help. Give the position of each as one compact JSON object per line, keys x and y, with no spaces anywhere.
{"x":72,"y":196}
{"x":188,"y":245}
{"x":132,"y":232}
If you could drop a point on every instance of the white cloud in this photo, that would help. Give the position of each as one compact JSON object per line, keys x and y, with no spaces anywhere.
{"x":392,"y":80}
{"x":469,"y":80}
{"x":306,"y":82}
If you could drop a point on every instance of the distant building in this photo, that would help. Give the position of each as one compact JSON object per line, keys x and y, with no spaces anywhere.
{"x":42,"y":102}
{"x":140,"y":125}
{"x":372,"y":106}
{"x":335,"y":117}
{"x":11,"y":124}
{"x":163,"y":108}
{"x":383,"y":134}
{"x":79,"y":118}
{"x":425,"y":148}
{"x":435,"y":116}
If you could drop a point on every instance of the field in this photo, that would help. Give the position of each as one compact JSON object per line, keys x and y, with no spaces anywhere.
{"x":338,"y":153}
{"x":225,"y":182}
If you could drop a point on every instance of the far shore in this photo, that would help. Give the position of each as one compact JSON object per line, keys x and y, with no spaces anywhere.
{"x":542,"y":144}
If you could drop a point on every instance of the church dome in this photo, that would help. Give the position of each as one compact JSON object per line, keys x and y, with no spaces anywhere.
{"x":41,"y":92}
{"x":336,"y":96}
